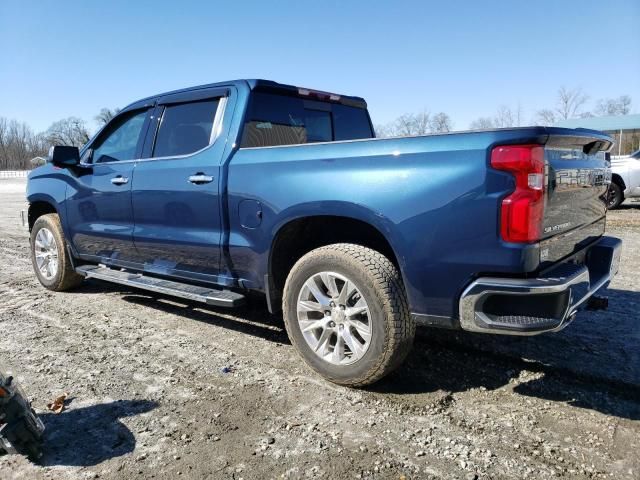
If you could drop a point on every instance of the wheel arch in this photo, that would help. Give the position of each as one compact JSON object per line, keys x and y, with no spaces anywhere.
{"x":617,"y":178}
{"x":38,"y":208}
{"x":298,"y":236}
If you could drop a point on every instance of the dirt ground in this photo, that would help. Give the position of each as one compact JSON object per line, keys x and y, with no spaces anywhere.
{"x":163,"y":388}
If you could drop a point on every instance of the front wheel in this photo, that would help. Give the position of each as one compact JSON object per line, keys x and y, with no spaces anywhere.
{"x":346,"y":313}
{"x":50,"y":258}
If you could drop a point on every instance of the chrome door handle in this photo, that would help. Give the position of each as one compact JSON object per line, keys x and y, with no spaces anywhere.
{"x":119,"y":180}
{"x":199,"y":178}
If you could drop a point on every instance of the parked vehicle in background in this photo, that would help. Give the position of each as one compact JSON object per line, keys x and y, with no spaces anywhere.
{"x":211,"y":192}
{"x":625,"y":180}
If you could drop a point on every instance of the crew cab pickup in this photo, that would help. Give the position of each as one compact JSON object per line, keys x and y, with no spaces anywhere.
{"x":213,"y":192}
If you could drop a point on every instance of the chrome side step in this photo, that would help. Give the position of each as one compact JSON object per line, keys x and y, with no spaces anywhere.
{"x":210,"y":296}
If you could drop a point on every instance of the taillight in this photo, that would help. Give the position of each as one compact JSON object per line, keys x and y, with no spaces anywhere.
{"x":522,"y":211}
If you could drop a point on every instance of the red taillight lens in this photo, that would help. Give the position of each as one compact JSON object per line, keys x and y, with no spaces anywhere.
{"x":523,"y":210}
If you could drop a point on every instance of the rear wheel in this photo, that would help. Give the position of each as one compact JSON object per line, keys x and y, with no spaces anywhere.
{"x":615,"y":196}
{"x":50,"y":258}
{"x":346,"y":313}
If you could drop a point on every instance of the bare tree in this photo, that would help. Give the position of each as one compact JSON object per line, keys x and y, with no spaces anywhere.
{"x":68,"y":131}
{"x":383,"y":130}
{"x":18,"y":145}
{"x":406,"y":125}
{"x":505,"y":117}
{"x":546,"y":117}
{"x":482,"y":123}
{"x":614,"y":106}
{"x":105,"y":116}
{"x":440,"y":123}
{"x":411,"y":124}
{"x":420,"y":123}
{"x":569,"y":104}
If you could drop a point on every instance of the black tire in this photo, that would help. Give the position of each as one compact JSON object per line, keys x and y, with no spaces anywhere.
{"x":26,"y":440}
{"x":380,"y":284}
{"x":65,"y":277}
{"x":615,"y":196}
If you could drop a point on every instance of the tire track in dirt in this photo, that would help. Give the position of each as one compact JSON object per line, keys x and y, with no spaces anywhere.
{"x":226,"y":380}
{"x":243,"y":355}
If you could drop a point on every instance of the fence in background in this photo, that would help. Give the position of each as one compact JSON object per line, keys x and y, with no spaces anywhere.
{"x":14,"y":173}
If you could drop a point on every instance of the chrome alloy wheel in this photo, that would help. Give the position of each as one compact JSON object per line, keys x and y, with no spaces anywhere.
{"x":334,"y":318}
{"x":45,"y":250}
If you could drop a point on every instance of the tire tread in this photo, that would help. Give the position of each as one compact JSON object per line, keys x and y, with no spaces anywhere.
{"x":68,"y":277}
{"x":387,"y":283}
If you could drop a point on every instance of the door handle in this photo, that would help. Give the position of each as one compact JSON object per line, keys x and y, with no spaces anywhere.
{"x":119,"y":180}
{"x":199,"y":178}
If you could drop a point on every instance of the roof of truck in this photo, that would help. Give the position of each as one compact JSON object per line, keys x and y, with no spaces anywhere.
{"x":256,"y":84}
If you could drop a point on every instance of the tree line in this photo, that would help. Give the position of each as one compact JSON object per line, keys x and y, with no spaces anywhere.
{"x":19,"y":144}
{"x":569,"y":103}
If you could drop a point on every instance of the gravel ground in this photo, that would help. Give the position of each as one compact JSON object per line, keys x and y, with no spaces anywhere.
{"x":160,"y":388}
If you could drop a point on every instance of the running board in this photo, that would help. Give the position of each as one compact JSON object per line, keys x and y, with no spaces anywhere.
{"x":210,"y":296}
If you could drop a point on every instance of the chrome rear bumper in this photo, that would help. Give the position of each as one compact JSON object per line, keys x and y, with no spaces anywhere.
{"x":515,"y":306}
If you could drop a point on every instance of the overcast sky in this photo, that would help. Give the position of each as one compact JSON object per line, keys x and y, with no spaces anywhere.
{"x":62,"y":58}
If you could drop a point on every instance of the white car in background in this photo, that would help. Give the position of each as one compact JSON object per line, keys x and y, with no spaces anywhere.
{"x":625,"y":179}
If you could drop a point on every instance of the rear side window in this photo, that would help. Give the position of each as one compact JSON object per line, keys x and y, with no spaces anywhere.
{"x":350,"y":123}
{"x":185,"y":128}
{"x":282,"y":120}
{"x":318,"y":125}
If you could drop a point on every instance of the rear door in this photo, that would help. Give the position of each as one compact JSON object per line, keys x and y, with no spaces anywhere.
{"x":578,"y":176}
{"x":176,"y":189}
{"x":99,"y":212}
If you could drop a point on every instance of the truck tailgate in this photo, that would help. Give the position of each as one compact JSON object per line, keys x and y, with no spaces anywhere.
{"x":578,"y":176}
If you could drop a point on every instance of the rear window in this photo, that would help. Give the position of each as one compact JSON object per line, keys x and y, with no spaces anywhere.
{"x":185,"y":128}
{"x":281,"y":120}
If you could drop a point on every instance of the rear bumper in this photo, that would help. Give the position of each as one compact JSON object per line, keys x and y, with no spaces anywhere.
{"x":530,"y":306}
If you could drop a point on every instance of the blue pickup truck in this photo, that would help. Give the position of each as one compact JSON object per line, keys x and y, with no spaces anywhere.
{"x":212,"y":192}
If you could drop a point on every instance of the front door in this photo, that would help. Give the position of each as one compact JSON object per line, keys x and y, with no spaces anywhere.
{"x":99,"y":212}
{"x":175,"y":193}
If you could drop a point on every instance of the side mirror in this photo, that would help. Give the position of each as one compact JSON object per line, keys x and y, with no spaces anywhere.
{"x":64,"y":156}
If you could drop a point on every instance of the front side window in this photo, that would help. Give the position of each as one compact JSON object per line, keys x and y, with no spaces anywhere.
{"x":120,"y":140}
{"x":185,"y":128}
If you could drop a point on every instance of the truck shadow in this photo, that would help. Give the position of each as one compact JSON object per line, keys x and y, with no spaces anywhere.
{"x":593,"y":364}
{"x":87,"y":436}
{"x":251,"y":319}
